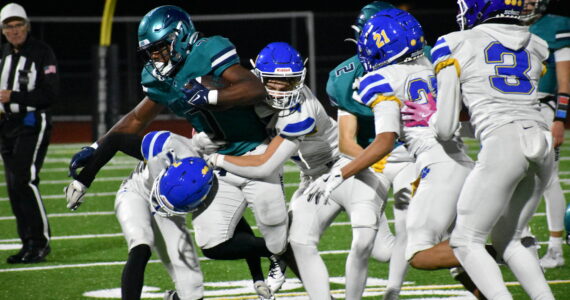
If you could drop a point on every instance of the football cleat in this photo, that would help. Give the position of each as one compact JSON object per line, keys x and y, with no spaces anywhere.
{"x":391,"y":294}
{"x":552,"y":259}
{"x":276,"y":276}
{"x":263,"y":290}
{"x":171,"y":295}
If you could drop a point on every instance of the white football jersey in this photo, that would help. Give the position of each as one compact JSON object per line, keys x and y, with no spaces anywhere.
{"x":498,"y":66}
{"x":397,"y":83}
{"x":317,"y":132}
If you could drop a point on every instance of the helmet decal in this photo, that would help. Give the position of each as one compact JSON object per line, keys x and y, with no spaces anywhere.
{"x":390,"y":36}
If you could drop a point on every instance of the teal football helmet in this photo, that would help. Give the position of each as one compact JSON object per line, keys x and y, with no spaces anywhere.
{"x":365,"y":14}
{"x":166,"y":35}
{"x":533,"y":9}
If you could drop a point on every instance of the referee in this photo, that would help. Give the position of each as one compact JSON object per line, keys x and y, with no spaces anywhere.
{"x":29,"y":85}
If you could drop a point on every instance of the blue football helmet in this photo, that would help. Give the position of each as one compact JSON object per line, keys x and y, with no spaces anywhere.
{"x":390,"y":36}
{"x":279,"y":61}
{"x":166,"y":35}
{"x":475,"y":12}
{"x":182,"y":187}
{"x":365,"y":14}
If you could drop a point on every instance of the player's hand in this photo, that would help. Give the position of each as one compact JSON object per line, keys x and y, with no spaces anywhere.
{"x":204,"y":144}
{"x":74,"y":194}
{"x":79,"y":160}
{"x":557,"y":130}
{"x":322,"y":187}
{"x":415,"y":114}
{"x":195,"y":93}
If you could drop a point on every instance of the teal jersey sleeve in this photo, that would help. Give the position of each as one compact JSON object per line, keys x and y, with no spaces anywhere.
{"x":555,"y":30}
{"x":240,"y":127}
{"x":339,"y":90}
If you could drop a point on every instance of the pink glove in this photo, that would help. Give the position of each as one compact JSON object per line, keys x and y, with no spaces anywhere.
{"x":414,"y":114}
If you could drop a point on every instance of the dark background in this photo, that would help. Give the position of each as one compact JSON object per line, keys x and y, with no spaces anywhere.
{"x":75,"y":40}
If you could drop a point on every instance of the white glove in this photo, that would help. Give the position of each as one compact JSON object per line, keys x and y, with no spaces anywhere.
{"x":203,"y":144}
{"x":74,"y":194}
{"x":215,"y":160}
{"x":323,"y":186}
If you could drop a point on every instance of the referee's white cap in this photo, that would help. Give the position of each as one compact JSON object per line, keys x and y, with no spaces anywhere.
{"x":12,"y":10}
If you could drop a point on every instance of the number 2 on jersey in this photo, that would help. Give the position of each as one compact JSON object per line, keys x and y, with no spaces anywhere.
{"x":509,"y":78}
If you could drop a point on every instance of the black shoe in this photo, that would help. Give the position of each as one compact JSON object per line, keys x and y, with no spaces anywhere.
{"x":17,"y":258}
{"x":36,"y":255}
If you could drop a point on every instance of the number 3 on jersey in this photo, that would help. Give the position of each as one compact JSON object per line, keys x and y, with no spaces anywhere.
{"x":509,"y":78}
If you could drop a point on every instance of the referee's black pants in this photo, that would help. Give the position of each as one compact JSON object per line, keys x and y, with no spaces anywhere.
{"x":24,"y":140}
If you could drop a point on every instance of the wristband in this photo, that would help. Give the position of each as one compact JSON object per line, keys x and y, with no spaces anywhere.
{"x":561,"y":107}
{"x":94,"y":146}
{"x":213,"y":97}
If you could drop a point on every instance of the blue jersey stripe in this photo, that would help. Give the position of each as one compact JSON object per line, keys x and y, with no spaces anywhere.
{"x":439,"y":41}
{"x":299,"y":126}
{"x":440,"y":52}
{"x":370,"y":79}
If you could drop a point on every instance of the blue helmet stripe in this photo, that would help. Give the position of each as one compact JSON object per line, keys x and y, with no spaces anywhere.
{"x":145,"y":146}
{"x":305,"y":126}
{"x":159,"y":142}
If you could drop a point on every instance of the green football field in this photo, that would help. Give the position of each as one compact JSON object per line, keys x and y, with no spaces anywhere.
{"x":89,"y":251}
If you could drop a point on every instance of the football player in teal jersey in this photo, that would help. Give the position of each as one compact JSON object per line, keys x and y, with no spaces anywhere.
{"x":554,"y":90}
{"x":356,"y":132}
{"x":177,"y":60}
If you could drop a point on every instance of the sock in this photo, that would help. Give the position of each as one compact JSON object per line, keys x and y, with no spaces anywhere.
{"x":527,"y":269}
{"x":555,"y":242}
{"x":133,"y":273}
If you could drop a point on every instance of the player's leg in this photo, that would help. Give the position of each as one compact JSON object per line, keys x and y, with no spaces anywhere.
{"x":243,"y":245}
{"x":267,"y":199}
{"x":555,"y":204}
{"x":308,"y":221}
{"x":174,"y":244}
{"x":132,"y":212}
{"x":432,"y":213}
{"x":403,"y":176}
{"x":506,"y":237}
{"x":363,"y":198}
{"x":484,"y":197}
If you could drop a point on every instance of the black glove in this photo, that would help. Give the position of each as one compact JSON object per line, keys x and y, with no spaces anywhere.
{"x":79,"y":160}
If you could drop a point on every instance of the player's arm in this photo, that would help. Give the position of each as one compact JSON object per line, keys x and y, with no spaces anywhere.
{"x":138,"y":118}
{"x":347,"y":128}
{"x":261,"y":165}
{"x":133,"y":122}
{"x":387,"y":124}
{"x":128,"y":143}
{"x":244,"y":88}
{"x":562,"y":57}
{"x":446,"y":119}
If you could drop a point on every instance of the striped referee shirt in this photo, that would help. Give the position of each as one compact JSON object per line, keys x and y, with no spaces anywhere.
{"x":31,"y":74}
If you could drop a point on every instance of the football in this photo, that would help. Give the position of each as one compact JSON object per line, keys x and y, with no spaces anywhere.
{"x":213,"y":83}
